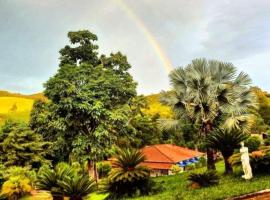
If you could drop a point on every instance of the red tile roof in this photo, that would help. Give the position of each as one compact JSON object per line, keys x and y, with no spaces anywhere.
{"x":163,"y":156}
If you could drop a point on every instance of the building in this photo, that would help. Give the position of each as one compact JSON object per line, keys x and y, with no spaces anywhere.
{"x":161,"y":157}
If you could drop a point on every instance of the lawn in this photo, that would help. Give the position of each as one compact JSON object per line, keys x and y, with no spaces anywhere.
{"x":176,"y":188}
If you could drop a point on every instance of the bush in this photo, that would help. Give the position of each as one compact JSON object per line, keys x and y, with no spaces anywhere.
{"x":103,"y":169}
{"x":65,"y":180}
{"x":17,"y":182}
{"x":16,"y":187}
{"x":190,"y":167}
{"x":204,"y":179}
{"x":259,"y":160}
{"x":127,"y":177}
{"x":266,"y":141}
{"x":201,"y":163}
{"x":253,"y":143}
{"x":176,"y":169}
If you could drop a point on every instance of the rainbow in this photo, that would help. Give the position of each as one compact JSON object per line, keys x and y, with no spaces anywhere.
{"x":150,"y":37}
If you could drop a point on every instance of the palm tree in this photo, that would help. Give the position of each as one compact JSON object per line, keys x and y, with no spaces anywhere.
{"x":77,"y":187}
{"x":65,"y":180}
{"x":209,"y":94}
{"x":127,"y":175}
{"x":47,"y":179}
{"x":225,"y":141}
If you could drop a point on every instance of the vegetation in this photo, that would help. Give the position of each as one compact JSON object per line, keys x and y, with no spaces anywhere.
{"x":204,"y":179}
{"x":127,"y":177}
{"x":253,"y":143}
{"x":65,"y":180}
{"x":90,"y":112}
{"x":226,"y":142}
{"x":20,"y":146}
{"x":209,"y":94}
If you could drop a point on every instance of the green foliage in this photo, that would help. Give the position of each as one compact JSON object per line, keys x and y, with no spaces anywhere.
{"x":127,"y":177}
{"x":176,"y":169}
{"x":259,"y":160}
{"x":266,"y":141}
{"x":253,"y":143}
{"x":88,"y":100}
{"x":66,"y":180}
{"x":209,"y":94}
{"x":225,"y":141}
{"x":18,"y":182}
{"x":103,"y":169}
{"x":78,"y":186}
{"x":20,"y":146}
{"x":204,"y":179}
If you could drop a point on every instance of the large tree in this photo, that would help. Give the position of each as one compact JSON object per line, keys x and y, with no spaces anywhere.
{"x":209,"y":94}
{"x":88,"y":97}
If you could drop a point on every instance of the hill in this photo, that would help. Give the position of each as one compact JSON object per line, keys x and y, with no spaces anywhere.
{"x":17,"y":106}
{"x":155,"y":107}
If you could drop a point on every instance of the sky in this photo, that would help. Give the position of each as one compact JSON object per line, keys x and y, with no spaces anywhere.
{"x":156,"y":36}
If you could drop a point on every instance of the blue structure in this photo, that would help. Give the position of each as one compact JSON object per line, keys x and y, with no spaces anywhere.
{"x":188,"y":162}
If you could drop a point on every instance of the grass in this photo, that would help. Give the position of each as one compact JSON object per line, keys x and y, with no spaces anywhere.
{"x":21,"y":112}
{"x":176,"y":187}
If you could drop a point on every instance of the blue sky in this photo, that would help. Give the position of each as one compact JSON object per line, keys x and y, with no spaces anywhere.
{"x":33,"y":31}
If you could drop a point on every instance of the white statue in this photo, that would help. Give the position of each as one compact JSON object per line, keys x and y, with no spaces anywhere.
{"x":245,"y":162}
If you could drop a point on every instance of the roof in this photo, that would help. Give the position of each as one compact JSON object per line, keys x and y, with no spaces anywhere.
{"x":165,"y":155}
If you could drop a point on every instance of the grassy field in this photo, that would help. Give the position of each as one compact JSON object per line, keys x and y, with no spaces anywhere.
{"x":176,"y":187}
{"x":15,"y":108}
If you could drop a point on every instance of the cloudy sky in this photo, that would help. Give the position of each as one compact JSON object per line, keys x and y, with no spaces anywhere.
{"x":154,"y":34}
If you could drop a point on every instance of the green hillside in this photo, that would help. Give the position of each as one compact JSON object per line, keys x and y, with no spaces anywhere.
{"x":16,"y":106}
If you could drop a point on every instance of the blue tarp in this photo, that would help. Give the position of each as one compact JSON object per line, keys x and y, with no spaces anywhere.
{"x":189,"y":161}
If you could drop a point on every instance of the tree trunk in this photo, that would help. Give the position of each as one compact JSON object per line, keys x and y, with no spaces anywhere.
{"x":210,"y":159}
{"x":228,"y":166}
{"x":209,"y":151}
{"x":57,"y":197}
{"x":92,"y":169}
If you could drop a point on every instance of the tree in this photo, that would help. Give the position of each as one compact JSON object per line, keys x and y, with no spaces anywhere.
{"x":127,"y":175}
{"x":209,"y":94}
{"x":20,"y":146}
{"x":226,"y":142}
{"x":89,"y":97}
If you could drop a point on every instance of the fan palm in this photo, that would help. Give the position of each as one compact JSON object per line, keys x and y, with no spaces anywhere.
{"x":127,"y":175}
{"x":225,"y":141}
{"x":209,"y":93}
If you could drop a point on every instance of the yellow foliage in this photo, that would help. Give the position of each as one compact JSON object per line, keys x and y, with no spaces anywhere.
{"x":155,"y":107}
{"x":16,"y":186}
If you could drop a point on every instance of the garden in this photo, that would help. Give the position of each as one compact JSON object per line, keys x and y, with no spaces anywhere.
{"x":83,"y":138}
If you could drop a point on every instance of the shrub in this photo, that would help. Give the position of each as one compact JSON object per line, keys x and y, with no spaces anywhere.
{"x":16,"y":187}
{"x":65,"y":180}
{"x":259,"y":160}
{"x":103,"y":169}
{"x":201,"y":163}
{"x":176,"y":169}
{"x":190,"y":167}
{"x":127,"y":177}
{"x":253,"y":143}
{"x":77,"y":187}
{"x":204,"y":179}
{"x":267,"y":141}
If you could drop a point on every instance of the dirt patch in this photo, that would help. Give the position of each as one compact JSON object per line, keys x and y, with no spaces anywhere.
{"x":261,"y":195}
